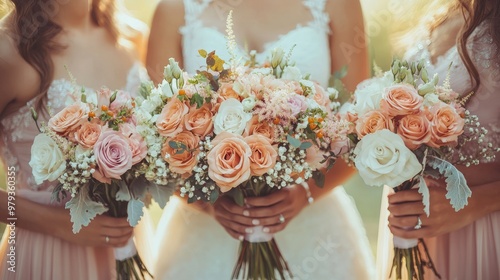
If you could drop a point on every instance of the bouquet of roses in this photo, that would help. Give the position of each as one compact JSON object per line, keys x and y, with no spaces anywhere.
{"x":405,"y":127}
{"x":245,"y":130}
{"x":92,"y":148}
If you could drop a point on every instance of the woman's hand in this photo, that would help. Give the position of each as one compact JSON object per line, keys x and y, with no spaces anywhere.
{"x":102,"y":231}
{"x":406,"y":207}
{"x":273,"y":211}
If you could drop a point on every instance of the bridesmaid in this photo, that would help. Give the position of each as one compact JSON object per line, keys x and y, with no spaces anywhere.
{"x":38,"y":40}
{"x":464,"y":244}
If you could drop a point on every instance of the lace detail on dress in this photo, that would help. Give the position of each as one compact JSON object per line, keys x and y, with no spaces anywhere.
{"x":193,"y":10}
{"x":483,"y":50}
{"x":320,"y":18}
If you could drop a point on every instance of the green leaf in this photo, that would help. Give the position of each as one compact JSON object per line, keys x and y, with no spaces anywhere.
{"x":197,"y":99}
{"x":174,"y":145}
{"x":214,"y":195}
{"x":192,"y":199}
{"x":305,"y":145}
{"x":424,"y":191}
{"x":341,"y":73}
{"x":319,"y":178}
{"x":456,"y":186}
{"x":83,"y":98}
{"x":237,"y":195}
{"x":113,"y":97}
{"x":83,"y":209}
{"x":134,"y":211}
{"x":161,"y":193}
{"x":123,"y":194}
{"x":203,"y":53}
{"x":139,"y":187}
{"x":293,"y":141}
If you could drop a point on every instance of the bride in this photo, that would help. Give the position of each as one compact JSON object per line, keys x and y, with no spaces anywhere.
{"x":324,"y":239}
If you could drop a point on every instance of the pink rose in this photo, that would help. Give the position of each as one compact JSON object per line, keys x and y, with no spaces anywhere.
{"x":315,"y":157}
{"x":373,"y":121}
{"x":88,"y":134}
{"x":447,"y":125}
{"x":297,"y":104}
{"x":182,"y":162}
{"x":415,"y":130}
{"x":229,"y":161}
{"x":113,"y":156}
{"x":68,"y":119}
{"x":199,"y":121}
{"x":400,"y":100}
{"x":123,"y":98}
{"x":103,"y":96}
{"x":138,"y":146}
{"x":169,"y":122}
{"x":262,"y":128}
{"x":321,"y":96}
{"x":263,"y":156}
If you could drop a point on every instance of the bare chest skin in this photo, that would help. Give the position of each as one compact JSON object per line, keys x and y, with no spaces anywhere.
{"x":257,"y":22}
{"x":444,"y":37}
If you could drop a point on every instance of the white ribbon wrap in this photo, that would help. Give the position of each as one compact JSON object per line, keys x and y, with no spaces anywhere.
{"x":126,"y":251}
{"x":402,"y":243}
{"x":258,"y":235}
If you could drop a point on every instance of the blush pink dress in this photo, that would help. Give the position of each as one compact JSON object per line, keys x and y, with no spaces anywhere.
{"x":472,"y":252}
{"x":40,"y":256}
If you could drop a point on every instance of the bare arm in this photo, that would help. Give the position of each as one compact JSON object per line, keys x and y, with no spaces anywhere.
{"x":165,"y":40}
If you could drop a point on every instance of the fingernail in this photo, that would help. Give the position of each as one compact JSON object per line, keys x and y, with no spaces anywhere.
{"x":255,"y":222}
{"x":266,"y":230}
{"x":246,"y":213}
{"x":249,"y":230}
{"x":241,"y":238}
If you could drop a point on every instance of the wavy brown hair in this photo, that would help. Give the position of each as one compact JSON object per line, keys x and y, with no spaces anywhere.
{"x":476,"y":12}
{"x":34,"y":32}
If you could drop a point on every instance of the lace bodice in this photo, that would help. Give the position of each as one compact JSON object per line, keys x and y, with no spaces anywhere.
{"x":485,"y":102}
{"x":311,"y":52}
{"x":18,"y":129}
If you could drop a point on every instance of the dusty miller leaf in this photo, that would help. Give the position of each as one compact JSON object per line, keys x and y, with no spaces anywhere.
{"x":424,"y":191}
{"x":123,"y":194}
{"x":134,"y":211}
{"x":83,"y":209}
{"x":456,"y":186}
{"x":161,"y":193}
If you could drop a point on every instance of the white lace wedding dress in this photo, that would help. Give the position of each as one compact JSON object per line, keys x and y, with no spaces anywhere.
{"x":325,"y":241}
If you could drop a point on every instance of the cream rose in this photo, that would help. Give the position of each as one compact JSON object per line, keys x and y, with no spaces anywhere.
{"x":263,"y":156}
{"x":371,"y":122}
{"x":47,"y":160}
{"x":182,"y":161}
{"x":113,"y":156}
{"x":231,"y":117}
{"x":369,"y":93}
{"x":229,"y":161}
{"x":68,"y":119}
{"x":169,"y":122}
{"x":400,"y":100}
{"x":415,"y":130}
{"x":88,"y":134}
{"x":383,"y":159}
{"x":446,"y":126}
{"x":199,"y":120}
{"x":262,"y":128}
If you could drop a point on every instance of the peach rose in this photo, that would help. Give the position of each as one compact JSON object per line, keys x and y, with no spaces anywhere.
{"x":321,"y":96}
{"x":262,"y":128}
{"x":400,"y":100}
{"x":415,"y":130}
{"x":88,"y":134}
{"x":182,"y":161}
{"x":263,"y":156}
{"x":138,"y":145}
{"x":446,"y":126}
{"x":226,"y":91}
{"x":199,"y":120}
{"x":68,"y":119}
{"x":229,"y":161}
{"x":169,"y":122}
{"x":373,"y":121}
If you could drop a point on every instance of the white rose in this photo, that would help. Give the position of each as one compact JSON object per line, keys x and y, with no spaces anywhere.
{"x":332,"y":93}
{"x":47,"y":160}
{"x":231,"y":117}
{"x":249,"y":103}
{"x":383,"y":159}
{"x":291,"y":73}
{"x":368,"y":93}
{"x":431,"y":99}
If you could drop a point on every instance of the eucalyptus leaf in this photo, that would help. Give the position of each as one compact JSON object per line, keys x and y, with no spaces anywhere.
{"x":214,"y":195}
{"x":293,"y":141}
{"x":424,"y":191}
{"x":237,"y":195}
{"x":305,"y":145}
{"x":456,"y":186}
{"x":83,"y":209}
{"x":134,"y":211}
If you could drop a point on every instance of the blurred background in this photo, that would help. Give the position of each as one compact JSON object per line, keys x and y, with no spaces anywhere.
{"x":385,"y":22}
